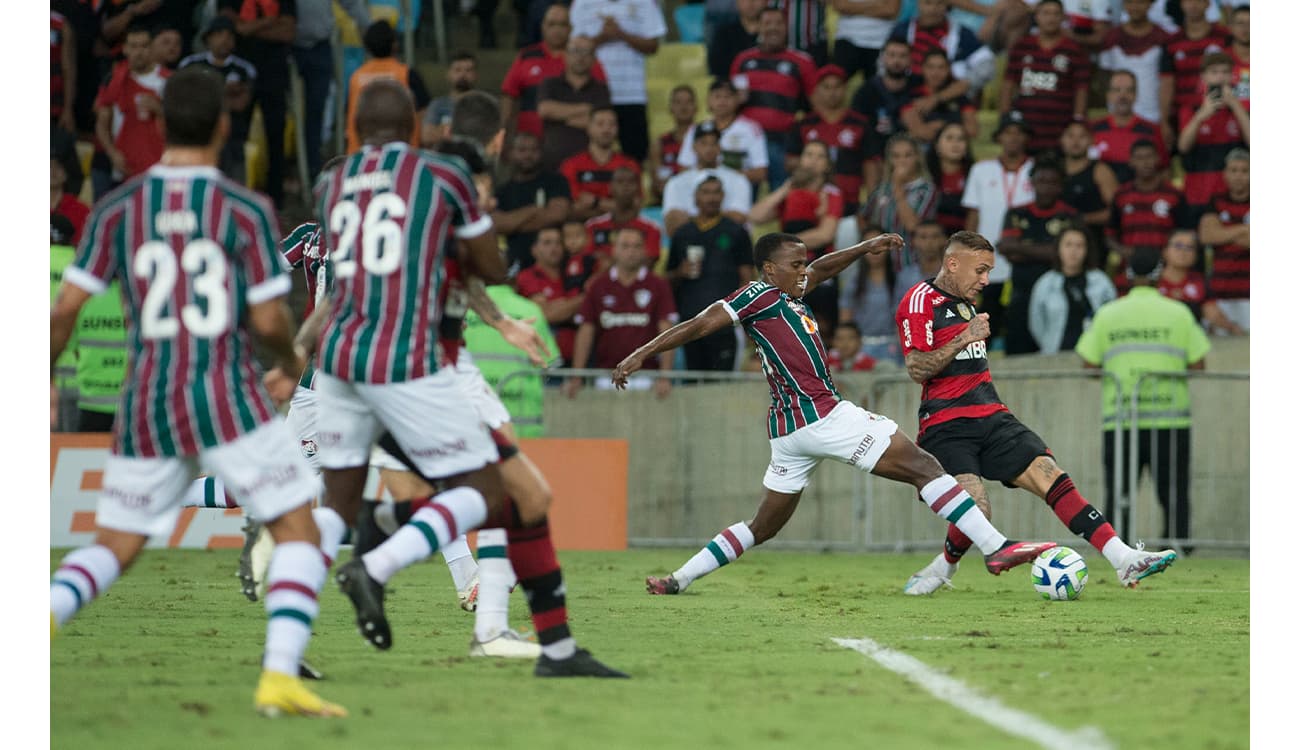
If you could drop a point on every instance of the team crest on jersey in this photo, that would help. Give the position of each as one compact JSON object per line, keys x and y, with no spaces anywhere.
{"x":587,"y":177}
{"x":784,"y":68}
{"x":1161,"y":208}
{"x":965,"y":312}
{"x":536,"y":70}
{"x":308,"y":448}
{"x":1061,"y":63}
{"x":846,"y":138}
{"x":809,"y":324}
{"x":1055,"y":226}
{"x":642,"y":297}
{"x":812,"y":135}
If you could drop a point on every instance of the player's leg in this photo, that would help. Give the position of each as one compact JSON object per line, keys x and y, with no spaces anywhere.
{"x":208,"y":492}
{"x":939,"y":571}
{"x":1173,"y":466}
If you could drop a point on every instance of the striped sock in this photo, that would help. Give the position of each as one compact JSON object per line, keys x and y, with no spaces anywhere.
{"x":533,"y":557}
{"x":1078,"y":515}
{"x":293,"y":581}
{"x":432,"y":526}
{"x":946,"y":497}
{"x":207,"y":492}
{"x":83,"y":575}
{"x":955,"y":544}
{"x":725,"y":548}
{"x":332,"y":530}
{"x":460,"y":563}
{"x":495,"y":579}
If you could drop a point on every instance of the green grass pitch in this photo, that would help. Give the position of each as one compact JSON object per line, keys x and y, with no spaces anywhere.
{"x":744,"y":659}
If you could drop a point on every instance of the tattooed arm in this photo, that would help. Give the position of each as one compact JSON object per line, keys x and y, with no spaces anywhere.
{"x":518,"y":333}
{"x":921,"y":366}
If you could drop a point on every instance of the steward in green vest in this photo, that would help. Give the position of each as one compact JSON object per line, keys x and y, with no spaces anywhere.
{"x":499,"y":361}
{"x":101,"y":359}
{"x":65,"y":370}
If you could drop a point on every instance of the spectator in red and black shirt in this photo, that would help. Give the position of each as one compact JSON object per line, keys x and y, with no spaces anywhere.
{"x":1029,"y":242}
{"x":1239,"y":25}
{"x":63,"y":73}
{"x":924,"y":125}
{"x":844,"y":131}
{"x":1146,"y":209}
{"x":775,"y":81}
{"x":589,"y":172}
{"x":1180,"y":65}
{"x":132,"y":99}
{"x":949,"y":160}
{"x":1179,"y":278}
{"x":845,"y":352}
{"x":972,"y":61}
{"x":624,"y":212}
{"x":1116,"y":133}
{"x":665,"y":149}
{"x":733,"y":37}
{"x":581,"y":262}
{"x":1226,"y":227}
{"x":529,"y":201}
{"x":1209,"y":131}
{"x":64,"y":203}
{"x":534,"y":64}
{"x":1047,"y":78}
{"x":545,"y":283}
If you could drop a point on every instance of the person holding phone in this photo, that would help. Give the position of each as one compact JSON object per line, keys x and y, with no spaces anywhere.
{"x":1207,"y":132}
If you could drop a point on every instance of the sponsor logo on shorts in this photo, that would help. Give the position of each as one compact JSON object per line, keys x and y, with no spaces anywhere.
{"x":861,"y":450}
{"x":128,"y":499}
{"x":439,"y":451}
{"x":328,"y":438}
{"x":780,"y":471}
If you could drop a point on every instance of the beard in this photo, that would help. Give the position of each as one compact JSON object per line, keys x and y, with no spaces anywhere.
{"x":461,"y":86}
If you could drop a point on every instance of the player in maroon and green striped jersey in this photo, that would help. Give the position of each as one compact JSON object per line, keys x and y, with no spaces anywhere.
{"x":201,"y":276}
{"x":808,"y":421}
{"x":964,"y":423}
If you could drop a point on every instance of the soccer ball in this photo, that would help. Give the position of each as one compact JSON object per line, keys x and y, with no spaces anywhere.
{"x":1060,"y":573}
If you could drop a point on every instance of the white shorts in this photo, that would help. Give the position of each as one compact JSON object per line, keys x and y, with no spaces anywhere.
{"x":302,"y":422}
{"x":849,"y":433}
{"x":491,"y":411}
{"x":433,"y":418}
{"x":263,"y":469}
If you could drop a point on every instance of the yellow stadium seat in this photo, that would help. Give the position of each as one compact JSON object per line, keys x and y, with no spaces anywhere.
{"x":678,"y":62}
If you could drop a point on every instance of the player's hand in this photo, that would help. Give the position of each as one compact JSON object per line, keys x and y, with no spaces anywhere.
{"x":925,"y":104}
{"x":280,"y":385}
{"x":884,"y":243}
{"x":118,"y":160}
{"x":629,"y":365}
{"x":978,"y":329}
{"x":572,"y":386}
{"x":521,"y":335}
{"x":67,"y":121}
{"x":663,"y":386}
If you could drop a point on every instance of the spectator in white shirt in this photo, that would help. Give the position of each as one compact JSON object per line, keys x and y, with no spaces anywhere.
{"x":863,"y":29}
{"x":679,"y":194}
{"x":742,"y":140}
{"x":625,"y":31}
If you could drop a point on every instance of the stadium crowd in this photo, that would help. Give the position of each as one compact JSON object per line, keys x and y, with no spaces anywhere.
{"x":1119,"y":126}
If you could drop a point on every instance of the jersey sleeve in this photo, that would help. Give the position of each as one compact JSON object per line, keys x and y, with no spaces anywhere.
{"x":294,"y":245}
{"x":749,"y":301}
{"x":462,"y":196}
{"x":265,"y":269}
{"x":915,"y":318}
{"x":512,"y":85}
{"x":96,"y":262}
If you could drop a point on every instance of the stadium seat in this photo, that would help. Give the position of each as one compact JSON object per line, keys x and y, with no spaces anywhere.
{"x":678,"y":62}
{"x":690,"y":23}
{"x":391,"y":11}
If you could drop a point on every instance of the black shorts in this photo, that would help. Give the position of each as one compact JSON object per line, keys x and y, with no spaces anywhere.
{"x":995,"y":447}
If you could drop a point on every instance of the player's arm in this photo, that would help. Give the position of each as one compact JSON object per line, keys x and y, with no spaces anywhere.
{"x":550,"y":215}
{"x":1214,"y":232}
{"x":712,"y":319}
{"x":831,"y":264}
{"x":63,"y":318}
{"x":272,"y":322}
{"x":518,"y":333}
{"x":921,"y":366}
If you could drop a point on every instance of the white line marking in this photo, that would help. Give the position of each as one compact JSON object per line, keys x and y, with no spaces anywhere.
{"x":990,"y":710}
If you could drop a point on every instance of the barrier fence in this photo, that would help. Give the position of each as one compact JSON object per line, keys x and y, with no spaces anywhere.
{"x":697,"y":457}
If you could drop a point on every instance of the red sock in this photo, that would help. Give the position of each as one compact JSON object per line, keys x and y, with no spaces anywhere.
{"x":532,"y":555}
{"x":955,"y":545}
{"x":1077,"y":514}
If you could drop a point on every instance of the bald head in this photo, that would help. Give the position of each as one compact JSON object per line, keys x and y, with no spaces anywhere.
{"x":385,"y":112}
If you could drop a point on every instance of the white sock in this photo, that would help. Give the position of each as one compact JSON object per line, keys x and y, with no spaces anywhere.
{"x":460,"y":563}
{"x":728,"y":545}
{"x":207,"y":492}
{"x":1116,"y":552}
{"x":293,"y":582}
{"x":946,"y":498}
{"x":332,"y":530}
{"x":436,"y":524}
{"x":562,"y":649}
{"x":495,"y":579}
{"x":83,"y":575}
{"x":386,"y":518}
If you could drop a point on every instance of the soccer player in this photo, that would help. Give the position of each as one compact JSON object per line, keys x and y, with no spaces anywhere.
{"x":808,"y":421}
{"x":967,"y":427}
{"x":199,"y":276}
{"x":391,"y":212}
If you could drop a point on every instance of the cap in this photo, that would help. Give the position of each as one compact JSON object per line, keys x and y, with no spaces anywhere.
{"x":708,"y":127}
{"x":61,"y":230}
{"x":829,"y":70}
{"x":1013,"y":118}
{"x":219,"y":23}
{"x":1145,"y":261}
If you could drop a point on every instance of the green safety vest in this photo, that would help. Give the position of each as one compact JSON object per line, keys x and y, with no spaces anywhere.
{"x":496,"y":359}
{"x":101,"y":351}
{"x":65,"y":369}
{"x":1139,"y":333}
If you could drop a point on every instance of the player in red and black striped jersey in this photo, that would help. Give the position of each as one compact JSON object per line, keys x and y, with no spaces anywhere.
{"x":1047,"y":78}
{"x":808,"y":421}
{"x":964,"y":423}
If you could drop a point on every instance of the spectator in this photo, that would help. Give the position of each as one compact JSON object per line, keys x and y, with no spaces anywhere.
{"x":972,"y":61}
{"x":667,"y":148}
{"x":1146,"y":209}
{"x":845,"y":353}
{"x":1226,"y":228}
{"x":63,"y":72}
{"x":534,"y":64}
{"x":81,"y":33}
{"x":734,"y":36}
{"x":581,"y":261}
{"x":949,"y":161}
{"x":101,"y":360}
{"x":1090,"y":184}
{"x":624,"y":212}
{"x":881,"y":98}
{"x":929,"y":240}
{"x":590,"y":171}
{"x":936,"y":75}
{"x":1065,"y":298}
{"x":1002,"y":23}
{"x":1239,"y":25}
{"x":1136,"y":46}
{"x":993,"y":187}
{"x":806,"y":20}
{"x":63,"y":149}
{"x":862,"y":30}
{"x":622,"y":310}
{"x":742,"y":140}
{"x":1180,"y":63}
{"x":1117,"y":342}
{"x":462,"y":76}
{"x":381,"y":45}
{"x":65,"y":204}
{"x":1179,"y":278}
{"x":313,"y":53}
{"x":1208,"y":132}
{"x":529,"y":201}
{"x":710,"y":257}
{"x":1047,"y":78}
{"x":869,"y":294}
{"x":1028,"y":242}
{"x":166,"y":46}
{"x":844,"y":131}
{"x":1116,"y":133}
{"x":679,"y":193}
{"x":485,"y":11}
{"x":64,"y":375}
{"x":508,"y":371}
{"x":625,"y":32}
{"x":265,"y":31}
{"x":118,"y":16}
{"x":129,"y":111}
{"x":545,"y":283}
{"x":905,"y":197}
{"x":565,"y":103}
{"x":775,"y":81}
{"x":239,"y":75}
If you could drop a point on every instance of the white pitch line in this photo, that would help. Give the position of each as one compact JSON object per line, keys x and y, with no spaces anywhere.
{"x":990,"y":710}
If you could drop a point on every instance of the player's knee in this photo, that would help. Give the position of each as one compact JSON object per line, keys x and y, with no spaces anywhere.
{"x":295,"y":526}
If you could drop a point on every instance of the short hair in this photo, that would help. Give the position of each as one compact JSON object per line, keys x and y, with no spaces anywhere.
{"x":1122,"y":72}
{"x":193,"y":101}
{"x":769,"y":244}
{"x":1057,"y":3}
{"x":548,"y":228}
{"x":772,"y":9}
{"x":619,"y":232}
{"x":848,"y":324}
{"x":380,"y":38}
{"x":722,"y":83}
{"x":476,"y":117}
{"x":603,"y":108}
{"x":1215,"y":58}
{"x":1046,"y":164}
{"x":679,"y":88}
{"x":896,"y":40}
{"x":936,"y":52}
{"x":707,"y":180}
{"x":464,"y":56}
{"x":928,"y":223}
{"x":333,"y":162}
{"x":1142,"y":143}
{"x":969,"y":240}
{"x":1239,"y":9}
{"x":1237,"y":154}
